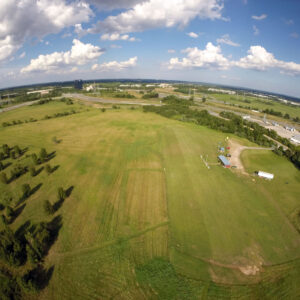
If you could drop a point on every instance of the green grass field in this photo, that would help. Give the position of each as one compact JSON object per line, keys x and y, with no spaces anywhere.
{"x":144,"y":206}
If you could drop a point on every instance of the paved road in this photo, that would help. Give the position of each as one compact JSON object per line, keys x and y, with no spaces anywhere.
{"x":109,"y":101}
{"x":18,"y":106}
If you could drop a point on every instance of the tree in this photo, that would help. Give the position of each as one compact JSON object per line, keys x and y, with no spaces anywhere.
{"x":2,"y":156}
{"x":43,"y":155}
{"x":1,"y":166}
{"x":13,"y":154}
{"x":17,"y":150}
{"x":9,"y":211}
{"x":48,"y":169}
{"x":203,"y":99}
{"x":103,"y":109}
{"x":32,"y":171}
{"x":26,"y":190}
{"x":3,"y":178}
{"x":48,"y":208}
{"x":61,"y":194}
{"x":5,"y":149}
{"x":35,"y":159}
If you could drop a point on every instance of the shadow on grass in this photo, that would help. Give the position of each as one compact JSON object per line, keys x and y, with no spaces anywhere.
{"x":54,"y":169}
{"x":57,"y":205}
{"x":69,"y":191}
{"x":39,"y":276}
{"x":50,"y":156}
{"x":6,"y":165}
{"x":20,"y":232}
{"x":17,"y":212}
{"x":37,"y":172}
{"x":33,"y":191}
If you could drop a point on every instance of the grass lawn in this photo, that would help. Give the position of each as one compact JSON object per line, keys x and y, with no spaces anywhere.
{"x":141,"y":191}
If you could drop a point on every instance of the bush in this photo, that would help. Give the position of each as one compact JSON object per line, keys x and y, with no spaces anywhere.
{"x":3,"y":178}
{"x":26,"y":190}
{"x":48,"y":208}
{"x":32,"y":171}
{"x":48,"y":169}
{"x":103,"y":109}
{"x":61,"y":194}
{"x":35,"y":159}
{"x":43,"y":155}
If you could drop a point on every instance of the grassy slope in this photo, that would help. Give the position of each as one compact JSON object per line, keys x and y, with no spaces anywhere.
{"x":140,"y":191}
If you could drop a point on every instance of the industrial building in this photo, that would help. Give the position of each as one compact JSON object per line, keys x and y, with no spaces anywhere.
{"x":265,"y":175}
{"x":224,"y":161}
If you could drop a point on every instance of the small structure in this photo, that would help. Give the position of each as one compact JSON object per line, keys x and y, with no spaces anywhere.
{"x":246,"y":117}
{"x":224,"y":161}
{"x":221,"y":149}
{"x":265,"y":175}
{"x":296,"y":139}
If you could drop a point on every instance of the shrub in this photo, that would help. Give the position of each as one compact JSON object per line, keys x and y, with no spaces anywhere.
{"x":43,"y":155}
{"x":48,"y":208}
{"x":32,"y":171}
{"x":3,"y":178}
{"x":103,"y":109}
{"x":35,"y":159}
{"x":61,"y":194}
{"x":48,"y":169}
{"x":26,"y":190}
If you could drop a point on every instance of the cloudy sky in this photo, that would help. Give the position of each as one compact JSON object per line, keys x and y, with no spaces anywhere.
{"x":248,"y":43}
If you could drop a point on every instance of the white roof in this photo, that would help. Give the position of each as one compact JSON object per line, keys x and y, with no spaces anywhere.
{"x":296,"y":138}
{"x":265,"y":174}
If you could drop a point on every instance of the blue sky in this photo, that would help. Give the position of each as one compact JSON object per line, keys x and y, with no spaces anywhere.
{"x":248,"y":43}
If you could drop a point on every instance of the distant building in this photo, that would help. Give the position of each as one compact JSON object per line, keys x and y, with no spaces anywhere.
{"x":222,"y":91}
{"x":246,"y":117}
{"x":89,"y":88}
{"x":296,"y":138}
{"x":42,"y":92}
{"x":78,"y":84}
{"x":292,"y":129}
{"x":265,"y":175}
{"x":224,"y":161}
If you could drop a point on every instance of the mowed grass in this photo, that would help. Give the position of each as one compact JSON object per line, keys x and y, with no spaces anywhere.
{"x":140,"y":191}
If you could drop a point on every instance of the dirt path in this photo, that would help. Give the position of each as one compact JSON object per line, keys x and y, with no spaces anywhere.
{"x":236,"y":150}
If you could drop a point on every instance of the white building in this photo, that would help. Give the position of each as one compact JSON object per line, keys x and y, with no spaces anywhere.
{"x":265,"y":175}
{"x":222,"y":91}
{"x":246,"y":117}
{"x":296,"y":139}
{"x":89,"y":88}
{"x":42,"y":92}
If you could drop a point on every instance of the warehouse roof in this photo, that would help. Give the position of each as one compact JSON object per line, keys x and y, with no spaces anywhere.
{"x":224,"y":160}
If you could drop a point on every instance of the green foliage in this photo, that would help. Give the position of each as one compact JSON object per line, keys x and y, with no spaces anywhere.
{"x":150,"y":95}
{"x":9,"y":211}
{"x":26,"y":190}
{"x":32,"y":171}
{"x":35,"y":159}
{"x":17,"y":171}
{"x":11,"y":249}
{"x":3,"y":178}
{"x":43,"y":155}
{"x":48,"y":169}
{"x":103,"y":109}
{"x":61,"y":194}
{"x":2,"y":156}
{"x":9,"y":289}
{"x":1,"y":166}
{"x":124,"y":95}
{"x":48,"y":207}
{"x":17,"y":150}
{"x":5,"y":149}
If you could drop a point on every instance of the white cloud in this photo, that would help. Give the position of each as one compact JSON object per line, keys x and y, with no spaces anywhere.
{"x":115,"y":66}
{"x":79,"y":54}
{"x":260,"y":59}
{"x":22,"y":55}
{"x":156,"y":13}
{"x":225,"y":39}
{"x":114,"y":4}
{"x":209,"y":58}
{"x":289,"y":22}
{"x":294,"y":35}
{"x":193,"y":35}
{"x":255,"y":30}
{"x":259,"y":18}
{"x":27,"y":19}
{"x":114,"y":46}
{"x":117,"y":37}
{"x":171,"y":51}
